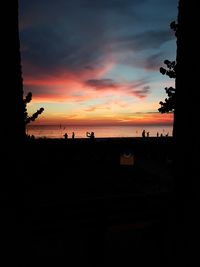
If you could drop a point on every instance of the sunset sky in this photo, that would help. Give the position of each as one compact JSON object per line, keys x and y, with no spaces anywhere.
{"x":97,"y":61}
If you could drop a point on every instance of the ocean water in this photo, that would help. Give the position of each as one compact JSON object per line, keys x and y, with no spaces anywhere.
{"x":58,"y":131}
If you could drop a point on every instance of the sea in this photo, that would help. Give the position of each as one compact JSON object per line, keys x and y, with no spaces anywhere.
{"x":58,"y":131}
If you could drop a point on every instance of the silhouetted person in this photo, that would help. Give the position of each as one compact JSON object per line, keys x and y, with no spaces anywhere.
{"x":161,"y":135}
{"x":143,"y":133}
{"x":65,"y":135}
{"x":73,"y":135}
{"x":157,"y":134}
{"x":90,"y":135}
{"x":147,"y":134}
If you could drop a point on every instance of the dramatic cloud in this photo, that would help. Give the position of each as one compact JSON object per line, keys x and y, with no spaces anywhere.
{"x":102,"y":84}
{"x":134,"y":88}
{"x":74,"y":34}
{"x":86,"y":51}
{"x":142,"y":92}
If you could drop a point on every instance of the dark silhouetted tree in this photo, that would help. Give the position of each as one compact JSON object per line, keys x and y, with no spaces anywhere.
{"x":33,"y":117}
{"x":169,"y":104}
{"x":185,"y":224}
{"x":170,"y":70}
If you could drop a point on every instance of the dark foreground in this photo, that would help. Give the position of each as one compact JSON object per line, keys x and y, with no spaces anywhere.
{"x":81,"y":207}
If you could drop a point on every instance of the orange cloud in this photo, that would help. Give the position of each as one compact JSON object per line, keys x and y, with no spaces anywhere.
{"x":109,"y":119}
{"x":62,"y":85}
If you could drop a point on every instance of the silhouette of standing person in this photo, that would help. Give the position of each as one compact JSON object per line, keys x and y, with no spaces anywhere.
{"x":157,"y":134}
{"x":92,"y":135}
{"x":147,"y":134}
{"x":65,"y":135}
{"x":143,"y":133}
{"x":73,"y":135}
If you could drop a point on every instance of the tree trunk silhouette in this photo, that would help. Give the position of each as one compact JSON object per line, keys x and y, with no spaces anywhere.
{"x":13,"y":121}
{"x":186,"y":136}
{"x":13,"y":124}
{"x":12,"y":136}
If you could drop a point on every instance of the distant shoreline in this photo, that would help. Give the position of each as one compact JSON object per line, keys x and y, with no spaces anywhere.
{"x":58,"y":131}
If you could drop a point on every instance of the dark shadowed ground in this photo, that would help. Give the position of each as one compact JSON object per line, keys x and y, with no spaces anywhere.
{"x":81,"y":207}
